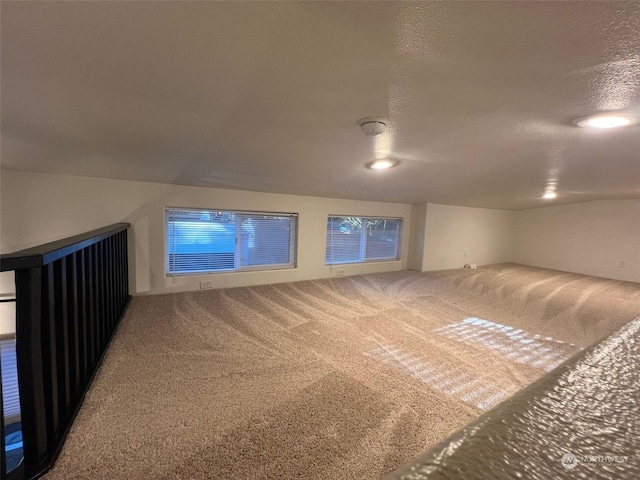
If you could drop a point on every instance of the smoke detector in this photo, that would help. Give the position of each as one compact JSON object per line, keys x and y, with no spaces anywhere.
{"x":373,"y":126}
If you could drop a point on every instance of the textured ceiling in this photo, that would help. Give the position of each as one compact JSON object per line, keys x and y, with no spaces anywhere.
{"x":266,"y":96}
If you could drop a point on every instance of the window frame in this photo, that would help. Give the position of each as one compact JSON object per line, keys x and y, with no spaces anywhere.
{"x":293,"y":263}
{"x":363,"y":240}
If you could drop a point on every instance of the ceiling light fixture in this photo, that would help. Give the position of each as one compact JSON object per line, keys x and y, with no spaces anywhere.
{"x":549,"y":195}
{"x":373,"y":126}
{"x":605,"y":120}
{"x":382,"y":164}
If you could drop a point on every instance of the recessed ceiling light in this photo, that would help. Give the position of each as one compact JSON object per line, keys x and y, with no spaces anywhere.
{"x":608,"y":120}
{"x":382,"y":164}
{"x":550,"y":195}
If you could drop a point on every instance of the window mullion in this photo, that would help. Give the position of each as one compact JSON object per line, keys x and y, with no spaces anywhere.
{"x":363,"y":239}
{"x":332,"y":242}
{"x":292,"y":239}
{"x":237,"y":260}
{"x":175,"y":248}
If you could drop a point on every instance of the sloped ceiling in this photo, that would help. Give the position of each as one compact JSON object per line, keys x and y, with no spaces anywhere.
{"x":266,"y":96}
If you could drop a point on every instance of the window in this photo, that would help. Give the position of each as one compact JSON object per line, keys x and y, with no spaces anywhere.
{"x":362,"y":239}
{"x":205,"y":241}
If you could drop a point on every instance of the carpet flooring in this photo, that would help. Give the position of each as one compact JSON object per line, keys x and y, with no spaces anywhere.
{"x":343,"y":378}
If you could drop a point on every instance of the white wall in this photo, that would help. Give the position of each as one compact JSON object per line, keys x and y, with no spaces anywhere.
{"x":591,"y":238}
{"x":455,"y":236}
{"x":37,"y":208}
{"x":416,"y":242}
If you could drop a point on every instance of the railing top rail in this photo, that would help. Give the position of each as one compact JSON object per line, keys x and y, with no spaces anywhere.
{"x":49,"y":252}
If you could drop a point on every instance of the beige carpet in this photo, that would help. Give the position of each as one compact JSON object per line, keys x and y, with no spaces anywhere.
{"x":334,"y":379}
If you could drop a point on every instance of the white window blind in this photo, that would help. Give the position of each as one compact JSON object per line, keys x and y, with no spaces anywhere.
{"x":267,"y":240}
{"x":202,"y":241}
{"x":362,"y":239}
{"x":382,"y":239}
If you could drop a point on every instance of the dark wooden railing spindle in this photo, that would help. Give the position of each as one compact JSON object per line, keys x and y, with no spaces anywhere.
{"x":62,"y":337}
{"x":50,"y":351}
{"x":72,"y":315}
{"x":83,"y":337}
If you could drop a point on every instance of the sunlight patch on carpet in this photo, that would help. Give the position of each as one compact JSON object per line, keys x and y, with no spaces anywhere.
{"x":466,"y":386}
{"x":514,"y":344}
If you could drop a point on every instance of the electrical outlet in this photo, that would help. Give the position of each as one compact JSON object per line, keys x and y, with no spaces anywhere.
{"x":621,"y":264}
{"x":206,"y":284}
{"x":340,"y":272}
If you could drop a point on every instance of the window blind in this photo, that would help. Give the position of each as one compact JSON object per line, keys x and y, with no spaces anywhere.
{"x":267,"y":240}
{"x":344,"y":240}
{"x":382,"y":239}
{"x":10,"y":394}
{"x":362,"y":239}
{"x":202,"y":241}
